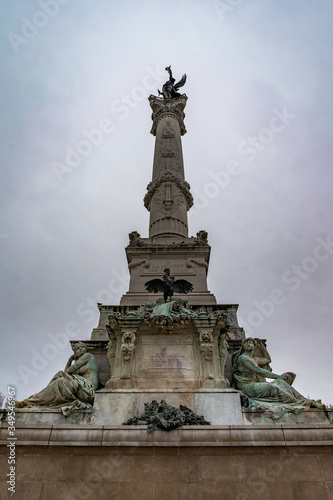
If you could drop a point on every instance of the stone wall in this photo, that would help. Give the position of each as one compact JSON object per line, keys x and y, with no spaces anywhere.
{"x":222,"y":462}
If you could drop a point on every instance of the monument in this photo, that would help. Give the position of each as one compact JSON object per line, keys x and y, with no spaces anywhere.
{"x":169,"y":358}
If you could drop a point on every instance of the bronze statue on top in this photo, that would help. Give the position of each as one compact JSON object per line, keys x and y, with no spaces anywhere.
{"x":170,"y":88}
{"x":168,"y":285}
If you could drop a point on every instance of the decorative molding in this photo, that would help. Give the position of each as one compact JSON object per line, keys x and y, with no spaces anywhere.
{"x":173,"y":109}
{"x":183,"y":186}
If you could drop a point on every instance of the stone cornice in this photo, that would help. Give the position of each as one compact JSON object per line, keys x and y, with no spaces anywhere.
{"x":284,"y":436}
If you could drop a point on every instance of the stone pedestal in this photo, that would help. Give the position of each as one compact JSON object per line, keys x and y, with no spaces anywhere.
{"x":219,"y":407}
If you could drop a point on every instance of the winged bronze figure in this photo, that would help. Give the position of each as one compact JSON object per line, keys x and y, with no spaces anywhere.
{"x":170,"y":88}
{"x":168,"y":285}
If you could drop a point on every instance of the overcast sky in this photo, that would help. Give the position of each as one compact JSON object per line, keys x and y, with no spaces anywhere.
{"x":258,"y":157}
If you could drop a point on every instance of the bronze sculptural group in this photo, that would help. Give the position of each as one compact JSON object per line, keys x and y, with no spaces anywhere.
{"x":271,"y":397}
{"x":71,"y":389}
{"x":168,"y":285}
{"x":170,"y":88}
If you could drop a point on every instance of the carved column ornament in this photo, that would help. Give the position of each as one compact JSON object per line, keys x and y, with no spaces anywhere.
{"x":206,"y":350}
{"x":111,"y":348}
{"x":127,"y":351}
{"x":223,"y":351}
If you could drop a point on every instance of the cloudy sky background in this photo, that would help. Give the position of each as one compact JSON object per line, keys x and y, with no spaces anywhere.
{"x":63,"y":228}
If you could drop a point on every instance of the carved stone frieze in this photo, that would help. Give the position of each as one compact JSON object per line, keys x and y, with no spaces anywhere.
{"x":183,"y":186}
{"x":169,"y":316}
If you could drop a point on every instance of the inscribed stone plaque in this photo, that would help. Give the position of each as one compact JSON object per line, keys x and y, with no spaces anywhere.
{"x":165,"y":356}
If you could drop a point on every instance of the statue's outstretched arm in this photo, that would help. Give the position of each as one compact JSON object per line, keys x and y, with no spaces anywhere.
{"x":168,"y":68}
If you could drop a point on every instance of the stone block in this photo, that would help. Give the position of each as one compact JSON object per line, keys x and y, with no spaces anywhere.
{"x":221,"y":469}
{"x":35,"y":416}
{"x":166,"y":491}
{"x":263,"y":468}
{"x":159,"y":469}
{"x":23,"y":490}
{"x":112,"y":469}
{"x":37,"y":468}
{"x":188,"y":469}
{"x":69,"y":491}
{"x":304,"y":468}
{"x":261,"y":490}
{"x":310,"y":491}
{"x":113,"y":408}
{"x":73,"y":469}
{"x":219,"y":408}
{"x":327,"y":466}
{"x":208,"y":491}
{"x":119,"y":491}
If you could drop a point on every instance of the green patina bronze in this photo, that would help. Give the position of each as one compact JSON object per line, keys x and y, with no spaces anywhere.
{"x":272,"y":398}
{"x":72,"y":389}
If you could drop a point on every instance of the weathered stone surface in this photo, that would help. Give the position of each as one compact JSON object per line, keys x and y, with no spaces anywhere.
{"x":67,"y":490}
{"x":34,"y":468}
{"x":232,"y":462}
{"x":113,"y":408}
{"x":308,"y":417}
{"x":51,"y":417}
{"x":220,"y":408}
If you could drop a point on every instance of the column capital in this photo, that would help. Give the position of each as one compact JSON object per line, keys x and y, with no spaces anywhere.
{"x":173,"y":107}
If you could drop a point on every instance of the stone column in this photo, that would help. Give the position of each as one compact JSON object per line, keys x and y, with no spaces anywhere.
{"x":168,"y":198}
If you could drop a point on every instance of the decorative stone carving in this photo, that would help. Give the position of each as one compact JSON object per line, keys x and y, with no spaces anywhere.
{"x":206,"y":345}
{"x":206,"y":349}
{"x":166,"y":417}
{"x":111,"y":348}
{"x":138,"y":262}
{"x":202,"y":238}
{"x":113,"y":319}
{"x":169,"y":316}
{"x":200,"y":263}
{"x":135,"y":240}
{"x":127,"y":351}
{"x":173,"y":108}
{"x":271,"y":398}
{"x":182,"y":185}
{"x":72,"y":389}
{"x":221,"y":318}
{"x":223,"y":351}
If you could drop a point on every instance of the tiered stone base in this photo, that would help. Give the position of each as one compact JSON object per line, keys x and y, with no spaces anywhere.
{"x":211,"y":463}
